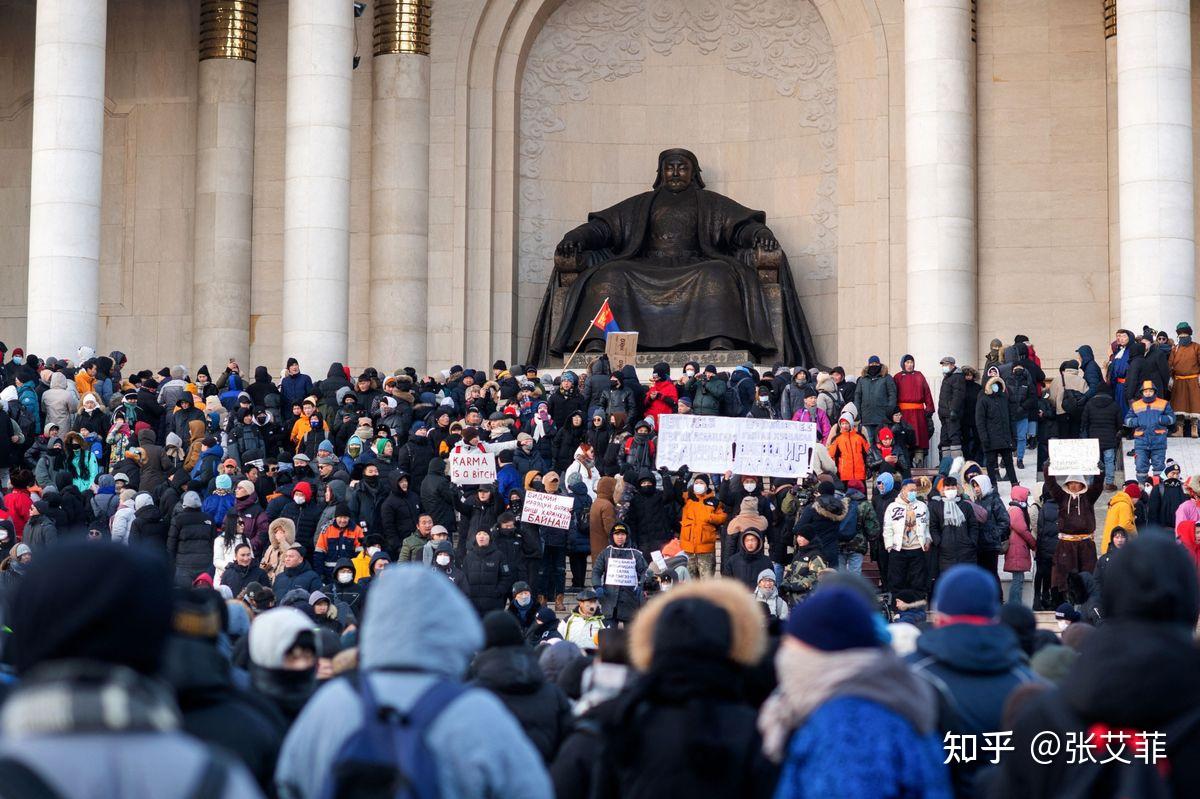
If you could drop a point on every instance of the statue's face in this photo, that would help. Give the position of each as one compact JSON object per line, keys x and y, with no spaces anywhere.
{"x":677,"y":173}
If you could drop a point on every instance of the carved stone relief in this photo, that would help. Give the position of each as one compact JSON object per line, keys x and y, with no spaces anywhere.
{"x":586,"y":41}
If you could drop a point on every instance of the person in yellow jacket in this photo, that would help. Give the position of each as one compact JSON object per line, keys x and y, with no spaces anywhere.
{"x":702,"y":515}
{"x":1121,"y":513}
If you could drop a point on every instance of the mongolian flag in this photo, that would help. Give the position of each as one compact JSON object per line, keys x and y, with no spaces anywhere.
{"x":604,"y":320}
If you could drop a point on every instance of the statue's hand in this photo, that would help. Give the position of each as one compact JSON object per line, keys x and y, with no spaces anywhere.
{"x":765,"y":240}
{"x":568,"y":246}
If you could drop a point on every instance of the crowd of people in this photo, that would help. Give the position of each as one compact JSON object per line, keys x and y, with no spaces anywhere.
{"x":186,"y":559}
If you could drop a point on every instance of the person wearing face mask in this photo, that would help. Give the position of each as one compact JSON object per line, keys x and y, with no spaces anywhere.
{"x":915,"y":401}
{"x":372,"y":545}
{"x":906,"y":538}
{"x":444,"y":562}
{"x":639,"y":450}
{"x":1018,"y":559}
{"x":698,"y":524}
{"x":344,"y":591}
{"x":341,"y":539}
{"x":708,"y":393}
{"x":523,"y":606}
{"x":1150,"y":417}
{"x":849,"y":449}
{"x":649,"y":519}
{"x":616,"y":398}
{"x":994,"y":424}
{"x":953,"y":529}
{"x":304,"y":512}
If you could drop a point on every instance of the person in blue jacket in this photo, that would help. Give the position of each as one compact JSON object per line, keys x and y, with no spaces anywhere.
{"x":1151,"y":418}
{"x":417,"y":629}
{"x":295,"y":385}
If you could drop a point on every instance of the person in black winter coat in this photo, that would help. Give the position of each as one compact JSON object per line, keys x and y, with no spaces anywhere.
{"x":190,"y":541}
{"x":684,"y":727}
{"x":297,"y":573}
{"x":414,"y":456}
{"x":480,"y":511}
{"x":509,"y":669}
{"x":618,"y":603}
{"x":952,"y":398}
{"x":489,"y":575}
{"x":1092,"y":375}
{"x":440,"y":497}
{"x":149,"y":527}
{"x":1047,"y":544}
{"x":994,"y":416}
{"x":443,"y":561}
{"x":306,"y":514}
{"x":749,"y":560}
{"x":1102,"y":420}
{"x":398,"y":513}
{"x":327,"y":389}
{"x":649,"y":518}
{"x":1147,"y":362}
{"x":214,"y":707}
{"x":952,"y":528}
{"x":243,"y":570}
{"x":567,"y":440}
{"x":1166,"y":497}
{"x":564,"y":402}
{"x":261,"y":387}
{"x":819,"y":523}
{"x":1136,"y":673}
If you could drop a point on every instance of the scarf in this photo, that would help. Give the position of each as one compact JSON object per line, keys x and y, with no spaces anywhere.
{"x":807,"y":679}
{"x":1185,"y":340}
{"x":76,"y":696}
{"x":951,"y":514}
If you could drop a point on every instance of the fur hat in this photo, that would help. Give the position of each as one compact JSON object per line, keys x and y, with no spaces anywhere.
{"x":746,"y":639}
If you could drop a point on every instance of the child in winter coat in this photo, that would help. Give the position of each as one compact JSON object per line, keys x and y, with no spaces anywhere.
{"x":849,"y":450}
{"x":1121,"y":513}
{"x":338,"y":540}
{"x":1021,"y":543}
{"x":1151,"y":418}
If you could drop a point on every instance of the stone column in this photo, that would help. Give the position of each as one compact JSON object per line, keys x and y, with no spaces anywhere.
{"x":400,"y":184}
{"x":1154,"y":140}
{"x":939,"y":119}
{"x":224,"y":181}
{"x":64,"y":200}
{"x":316,"y":202}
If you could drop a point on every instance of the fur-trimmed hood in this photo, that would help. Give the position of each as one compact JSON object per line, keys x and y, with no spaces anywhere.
{"x":831,"y":508}
{"x":987,"y":387}
{"x":749,"y":638}
{"x":883,"y":371}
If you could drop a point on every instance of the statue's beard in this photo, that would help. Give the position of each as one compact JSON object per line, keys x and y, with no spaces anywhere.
{"x":677,"y":186}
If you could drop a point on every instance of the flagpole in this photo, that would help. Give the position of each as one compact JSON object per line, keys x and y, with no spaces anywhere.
{"x":567,"y":363}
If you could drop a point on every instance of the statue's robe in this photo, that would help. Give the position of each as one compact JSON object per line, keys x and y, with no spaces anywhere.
{"x":677,"y":270}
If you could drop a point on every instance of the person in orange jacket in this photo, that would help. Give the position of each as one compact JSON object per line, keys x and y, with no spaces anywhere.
{"x":702,"y":515}
{"x":849,"y":450}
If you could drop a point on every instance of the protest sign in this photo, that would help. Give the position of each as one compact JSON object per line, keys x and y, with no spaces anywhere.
{"x":1074,"y":456}
{"x":472,"y":467}
{"x":622,"y":568}
{"x":621,"y":348}
{"x":702,"y":443}
{"x":660,"y":562}
{"x":774,"y":448}
{"x":548,"y":510}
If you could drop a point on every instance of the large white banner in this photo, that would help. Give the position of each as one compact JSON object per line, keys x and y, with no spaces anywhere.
{"x":1074,"y":456}
{"x":548,"y":510}
{"x":716,"y":444}
{"x":702,"y":443}
{"x":774,"y":448}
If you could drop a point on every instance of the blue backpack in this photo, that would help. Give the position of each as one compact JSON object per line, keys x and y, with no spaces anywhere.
{"x":388,"y":757}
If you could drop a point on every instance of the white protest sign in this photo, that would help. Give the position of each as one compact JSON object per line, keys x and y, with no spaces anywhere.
{"x":702,"y":443}
{"x":621,"y":570}
{"x":472,"y":467}
{"x":660,"y":562}
{"x":1074,"y":456}
{"x":774,"y":448}
{"x":548,"y":510}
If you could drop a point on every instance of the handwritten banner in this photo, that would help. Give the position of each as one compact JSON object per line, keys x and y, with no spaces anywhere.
{"x":622,"y":568}
{"x":702,"y":443}
{"x":472,"y":467}
{"x":548,"y":510}
{"x":714,"y":444}
{"x":1074,"y":456}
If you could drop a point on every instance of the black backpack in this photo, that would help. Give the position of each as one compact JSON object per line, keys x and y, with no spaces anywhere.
{"x":388,"y":757}
{"x":1072,"y":402}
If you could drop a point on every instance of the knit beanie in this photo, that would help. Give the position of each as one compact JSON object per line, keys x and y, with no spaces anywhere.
{"x":500,"y":628}
{"x":967,"y":590}
{"x":834,"y":619}
{"x":224,"y":482}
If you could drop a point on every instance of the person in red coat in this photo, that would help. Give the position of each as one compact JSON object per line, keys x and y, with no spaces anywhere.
{"x":916,"y":404}
{"x":19,"y":501}
{"x":663,"y":396}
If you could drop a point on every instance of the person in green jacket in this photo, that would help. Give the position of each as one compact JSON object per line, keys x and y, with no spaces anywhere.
{"x":710,"y":388}
{"x":410,"y":549}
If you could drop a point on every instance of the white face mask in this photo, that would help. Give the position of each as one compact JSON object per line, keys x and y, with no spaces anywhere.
{"x":372,"y":550}
{"x":950,"y":493}
{"x":345,"y":577}
{"x":946,"y":369}
{"x":748,"y":486}
{"x":443,"y":560}
{"x":298,"y":499}
{"x":700,"y":488}
{"x":1063,"y":624}
{"x":689,"y":372}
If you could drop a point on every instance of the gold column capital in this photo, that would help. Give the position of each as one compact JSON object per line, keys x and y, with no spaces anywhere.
{"x":229,"y":29}
{"x":402,"y":26}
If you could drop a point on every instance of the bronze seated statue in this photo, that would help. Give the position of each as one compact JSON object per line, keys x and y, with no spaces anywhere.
{"x":688,"y":268}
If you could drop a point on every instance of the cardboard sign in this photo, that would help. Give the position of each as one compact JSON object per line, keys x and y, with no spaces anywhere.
{"x":1074,"y":456}
{"x":621,"y":348}
{"x":702,"y":443}
{"x":548,"y":510}
{"x":776,"y":448}
{"x":472,"y":467}
{"x":622,"y":570}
